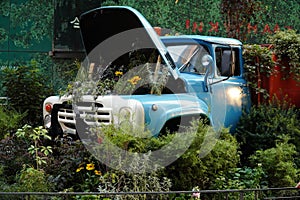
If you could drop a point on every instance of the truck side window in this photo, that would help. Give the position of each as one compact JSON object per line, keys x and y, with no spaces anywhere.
{"x":225,"y":56}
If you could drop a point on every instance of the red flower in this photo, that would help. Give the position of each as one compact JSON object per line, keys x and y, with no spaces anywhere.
{"x":99,"y":140}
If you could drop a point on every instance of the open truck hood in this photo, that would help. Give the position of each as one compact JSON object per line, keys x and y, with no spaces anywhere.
{"x":100,"y":24}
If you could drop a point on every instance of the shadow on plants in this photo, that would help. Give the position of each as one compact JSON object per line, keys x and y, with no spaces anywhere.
{"x":264,"y":124}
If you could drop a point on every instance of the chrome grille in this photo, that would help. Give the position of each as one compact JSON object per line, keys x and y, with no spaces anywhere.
{"x":91,"y":113}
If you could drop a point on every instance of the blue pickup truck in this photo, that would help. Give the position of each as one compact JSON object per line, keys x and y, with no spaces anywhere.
{"x":161,"y":82}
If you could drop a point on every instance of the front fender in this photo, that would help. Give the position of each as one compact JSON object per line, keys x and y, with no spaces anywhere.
{"x":50,"y":100}
{"x":172,"y":107}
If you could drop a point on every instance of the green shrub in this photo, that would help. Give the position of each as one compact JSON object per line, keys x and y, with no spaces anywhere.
{"x":10,"y":120}
{"x":258,"y":63}
{"x":68,"y":171}
{"x":13,"y":155}
{"x":35,"y":137}
{"x":120,"y":181}
{"x":286,"y":46}
{"x":25,"y":147}
{"x":190,"y":170}
{"x":117,"y":178}
{"x":63,"y":163}
{"x":26,"y":89}
{"x":73,"y":168}
{"x":241,"y":178}
{"x":57,"y":73}
{"x":263,"y":125}
{"x":3,"y":182}
{"x":278,"y":164}
{"x":32,"y":180}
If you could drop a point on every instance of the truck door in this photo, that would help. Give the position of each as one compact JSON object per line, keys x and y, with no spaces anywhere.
{"x":236,"y":95}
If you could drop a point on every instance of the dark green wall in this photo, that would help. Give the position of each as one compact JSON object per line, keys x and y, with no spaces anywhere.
{"x":31,"y":26}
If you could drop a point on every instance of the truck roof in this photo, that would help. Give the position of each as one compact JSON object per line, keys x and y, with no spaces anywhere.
{"x":211,"y":39}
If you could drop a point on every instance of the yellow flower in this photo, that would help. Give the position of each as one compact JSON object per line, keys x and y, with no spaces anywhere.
{"x":97,"y":172}
{"x":90,"y":166}
{"x":79,"y":169}
{"x":118,"y":73}
{"x":134,"y":80}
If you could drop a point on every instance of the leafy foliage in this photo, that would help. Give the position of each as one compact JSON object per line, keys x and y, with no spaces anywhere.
{"x":258,"y":64}
{"x":26,"y":89}
{"x":13,"y":156}
{"x":71,"y":167}
{"x":286,"y":46}
{"x":237,"y":19}
{"x":32,"y":180}
{"x":118,"y":181}
{"x":264,"y":124}
{"x":190,"y":170}
{"x":33,"y":28}
{"x":278,"y":163}
{"x":57,"y":73}
{"x":172,"y":16}
{"x":241,"y":178}
{"x":10,"y":121}
{"x":63,"y":163}
{"x":82,"y":172}
{"x":282,"y":13}
{"x":35,"y":136}
{"x":4,"y":186}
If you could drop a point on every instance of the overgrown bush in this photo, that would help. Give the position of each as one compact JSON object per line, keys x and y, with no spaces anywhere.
{"x":286,"y":46}
{"x":258,"y":64}
{"x":123,"y":172}
{"x":3,"y":181}
{"x":31,"y":180}
{"x":64,"y":162}
{"x":10,"y":121}
{"x":241,"y":178}
{"x":264,"y":124}
{"x":26,"y":89}
{"x":24,"y":148}
{"x":13,"y":155}
{"x":278,"y":163}
{"x":190,"y":170}
{"x":35,"y":138}
{"x":121,"y":181}
{"x":73,"y":168}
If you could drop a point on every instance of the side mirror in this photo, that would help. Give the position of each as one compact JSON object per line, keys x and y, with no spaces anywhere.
{"x":227,"y":64}
{"x":207,"y":62}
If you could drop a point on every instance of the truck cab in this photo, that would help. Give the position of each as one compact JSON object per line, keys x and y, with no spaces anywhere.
{"x":160,"y":84}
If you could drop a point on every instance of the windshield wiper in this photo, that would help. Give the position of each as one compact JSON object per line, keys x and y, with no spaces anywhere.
{"x":189,"y":59}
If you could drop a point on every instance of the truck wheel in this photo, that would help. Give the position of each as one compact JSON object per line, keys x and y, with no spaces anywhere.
{"x":173,"y":125}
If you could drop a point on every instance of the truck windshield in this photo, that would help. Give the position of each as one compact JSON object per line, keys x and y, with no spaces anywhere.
{"x":187,"y":57}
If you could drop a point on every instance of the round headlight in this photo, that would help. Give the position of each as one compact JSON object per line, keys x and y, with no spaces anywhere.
{"x":124,"y":115}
